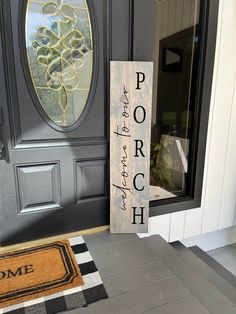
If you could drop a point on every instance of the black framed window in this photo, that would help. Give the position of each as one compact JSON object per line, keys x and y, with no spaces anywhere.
{"x":179,"y":37}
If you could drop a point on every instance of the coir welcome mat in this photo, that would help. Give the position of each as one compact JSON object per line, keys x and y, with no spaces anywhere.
{"x":37,"y":272}
{"x":91,"y":291}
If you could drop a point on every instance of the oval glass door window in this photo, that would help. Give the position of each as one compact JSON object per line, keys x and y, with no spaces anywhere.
{"x":60,"y":56}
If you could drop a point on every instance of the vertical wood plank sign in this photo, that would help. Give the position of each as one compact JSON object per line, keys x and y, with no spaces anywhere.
{"x":130,"y":125}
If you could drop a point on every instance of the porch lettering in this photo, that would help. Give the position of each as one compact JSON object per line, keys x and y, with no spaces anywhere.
{"x":138,"y":147}
{"x":140,"y":79}
{"x":130,"y":126}
{"x":143,"y":112}
{"x":135,"y":214}
{"x":134,"y":182}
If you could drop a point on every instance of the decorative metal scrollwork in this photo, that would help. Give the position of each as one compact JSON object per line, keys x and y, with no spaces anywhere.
{"x":60,"y":56}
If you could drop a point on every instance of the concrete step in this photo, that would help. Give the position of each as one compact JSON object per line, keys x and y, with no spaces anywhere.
{"x":207,"y":267}
{"x":221,"y":270}
{"x":194,"y":277}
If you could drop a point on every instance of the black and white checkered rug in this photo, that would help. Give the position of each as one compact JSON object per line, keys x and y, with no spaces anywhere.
{"x":92,"y":290}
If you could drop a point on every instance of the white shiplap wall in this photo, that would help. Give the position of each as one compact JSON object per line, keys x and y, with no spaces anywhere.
{"x":219,"y":185}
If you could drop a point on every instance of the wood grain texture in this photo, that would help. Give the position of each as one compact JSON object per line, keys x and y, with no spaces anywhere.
{"x":130,"y":124}
{"x":185,"y":305}
{"x":116,"y":258}
{"x":196,"y":282}
{"x":139,"y":300}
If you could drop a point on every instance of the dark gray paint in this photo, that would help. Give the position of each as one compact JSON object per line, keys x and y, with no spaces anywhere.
{"x":40,"y":185}
{"x":188,"y":305}
{"x":144,"y":30}
{"x":199,"y":286}
{"x":91,"y":181}
{"x":139,"y":300}
{"x":219,"y":282}
{"x":150,"y":287}
{"x":102,"y":239}
{"x":121,"y":31}
{"x":136,"y":277}
{"x":115,"y":258}
{"x":219,"y":268}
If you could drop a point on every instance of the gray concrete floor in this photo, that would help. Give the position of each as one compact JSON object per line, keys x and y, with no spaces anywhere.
{"x":226,"y":256}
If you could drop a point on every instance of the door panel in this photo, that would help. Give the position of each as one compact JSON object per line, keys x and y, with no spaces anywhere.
{"x":51,"y":181}
{"x":44,"y":194}
{"x":90,"y":179}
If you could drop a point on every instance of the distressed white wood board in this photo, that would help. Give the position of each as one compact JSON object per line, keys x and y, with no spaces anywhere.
{"x":123,"y":92}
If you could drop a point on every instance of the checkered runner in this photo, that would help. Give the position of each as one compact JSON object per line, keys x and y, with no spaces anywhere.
{"x":92,"y":290}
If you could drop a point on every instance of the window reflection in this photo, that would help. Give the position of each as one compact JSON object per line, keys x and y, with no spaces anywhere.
{"x":176,"y":54}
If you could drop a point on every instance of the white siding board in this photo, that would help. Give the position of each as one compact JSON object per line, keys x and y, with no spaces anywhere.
{"x":193,"y":222}
{"x":177,"y":222}
{"x":227,"y":208}
{"x":220,"y":124}
{"x":160,"y":225}
{"x":144,"y":235}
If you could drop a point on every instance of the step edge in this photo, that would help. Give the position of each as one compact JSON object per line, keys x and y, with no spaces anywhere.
{"x":189,"y":277}
{"x":220,"y":282}
{"x":217,"y":267}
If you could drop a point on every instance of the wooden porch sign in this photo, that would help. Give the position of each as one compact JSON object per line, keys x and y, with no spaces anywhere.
{"x":130,"y":125}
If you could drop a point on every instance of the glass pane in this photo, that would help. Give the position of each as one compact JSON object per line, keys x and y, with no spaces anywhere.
{"x":60,"y":56}
{"x":176,"y":56}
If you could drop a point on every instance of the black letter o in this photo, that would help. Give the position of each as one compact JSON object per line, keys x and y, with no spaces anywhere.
{"x":144,"y":114}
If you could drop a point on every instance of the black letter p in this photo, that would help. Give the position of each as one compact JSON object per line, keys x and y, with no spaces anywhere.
{"x":140,"y":79}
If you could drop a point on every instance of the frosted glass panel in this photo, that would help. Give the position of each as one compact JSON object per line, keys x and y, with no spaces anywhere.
{"x":60,"y":56}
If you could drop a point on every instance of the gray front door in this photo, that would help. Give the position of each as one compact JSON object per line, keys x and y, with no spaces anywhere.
{"x":53,"y":136}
